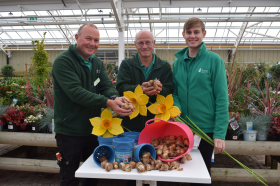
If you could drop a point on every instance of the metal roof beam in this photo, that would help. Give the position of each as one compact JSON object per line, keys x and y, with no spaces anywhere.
{"x":145,"y":28}
{"x":118,"y":15}
{"x":241,"y":32}
{"x":277,"y":19}
{"x":263,"y":34}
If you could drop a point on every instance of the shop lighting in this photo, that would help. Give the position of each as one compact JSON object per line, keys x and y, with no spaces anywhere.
{"x":199,"y":10}
{"x":11,"y":14}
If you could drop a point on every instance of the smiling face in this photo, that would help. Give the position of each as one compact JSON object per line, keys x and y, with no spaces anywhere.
{"x":87,"y":41}
{"x":144,"y":44}
{"x":194,"y":36}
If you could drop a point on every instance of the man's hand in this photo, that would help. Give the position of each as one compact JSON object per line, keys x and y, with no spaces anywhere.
{"x":116,"y":106}
{"x":219,"y":145}
{"x":159,"y":89}
{"x":149,"y":91}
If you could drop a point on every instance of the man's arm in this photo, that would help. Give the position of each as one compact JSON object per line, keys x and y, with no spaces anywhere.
{"x":166,"y":80}
{"x":220,"y":90}
{"x":175,"y":84}
{"x":65,"y":75}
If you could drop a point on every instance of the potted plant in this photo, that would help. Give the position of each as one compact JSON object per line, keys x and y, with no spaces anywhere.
{"x":44,"y":125}
{"x":33,"y":120}
{"x":2,"y":121}
{"x":274,"y":128}
{"x":261,"y":125}
{"x":233,"y":127}
{"x":15,"y":118}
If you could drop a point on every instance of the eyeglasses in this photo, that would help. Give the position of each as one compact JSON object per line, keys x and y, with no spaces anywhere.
{"x":141,"y":44}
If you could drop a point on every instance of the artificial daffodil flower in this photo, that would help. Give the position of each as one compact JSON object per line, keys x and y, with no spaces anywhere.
{"x":139,"y":100}
{"x":164,"y":108}
{"x":106,"y":125}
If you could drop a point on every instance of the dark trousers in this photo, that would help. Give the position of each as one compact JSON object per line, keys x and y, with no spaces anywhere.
{"x":72,"y":148}
{"x":206,"y":151}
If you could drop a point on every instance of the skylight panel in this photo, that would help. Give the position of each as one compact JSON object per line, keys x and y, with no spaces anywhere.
{"x":221,"y":32}
{"x":3,"y":35}
{"x":102,"y":33}
{"x":237,"y":24}
{"x":56,"y":34}
{"x":214,"y":9}
{"x":174,"y":10}
{"x":242,"y":9}
{"x":173,"y":33}
{"x":29,"y":13}
{"x":145,"y":24}
{"x":160,"y":24}
{"x":42,"y":13}
{"x":186,"y":10}
{"x":13,"y":35}
{"x":274,"y":9}
{"x":24,"y":35}
{"x":113,"y":33}
{"x":259,"y":9}
{"x":211,"y":24}
{"x":173,"y":24}
{"x":143,"y":10}
{"x":76,"y":12}
{"x":155,"y":10}
{"x":210,"y":32}
{"x":35,"y":34}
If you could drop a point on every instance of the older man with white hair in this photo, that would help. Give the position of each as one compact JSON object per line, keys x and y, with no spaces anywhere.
{"x":144,"y":66}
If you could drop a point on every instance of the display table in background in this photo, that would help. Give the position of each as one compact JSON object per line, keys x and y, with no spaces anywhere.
{"x":194,"y":171}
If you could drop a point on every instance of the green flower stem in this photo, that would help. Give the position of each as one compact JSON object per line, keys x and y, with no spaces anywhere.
{"x":205,"y":137}
{"x":126,"y":128}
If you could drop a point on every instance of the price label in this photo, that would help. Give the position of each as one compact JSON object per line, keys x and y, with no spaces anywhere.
{"x":10,"y":126}
{"x":234,"y":137}
{"x":33,"y":128}
{"x":252,"y":136}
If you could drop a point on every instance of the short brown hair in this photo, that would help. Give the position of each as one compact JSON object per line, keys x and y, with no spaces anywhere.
{"x":87,"y":24}
{"x":194,"y":22}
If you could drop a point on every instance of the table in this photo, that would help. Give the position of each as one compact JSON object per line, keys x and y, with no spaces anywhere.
{"x":194,"y":171}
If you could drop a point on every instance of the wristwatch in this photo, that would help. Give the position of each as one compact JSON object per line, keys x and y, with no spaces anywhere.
{"x":113,"y":97}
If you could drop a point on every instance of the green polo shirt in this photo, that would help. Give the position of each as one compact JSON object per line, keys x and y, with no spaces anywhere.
{"x":147,"y":70}
{"x":88,"y":62}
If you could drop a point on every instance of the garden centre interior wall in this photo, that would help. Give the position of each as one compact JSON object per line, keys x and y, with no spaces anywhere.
{"x":19,"y":58}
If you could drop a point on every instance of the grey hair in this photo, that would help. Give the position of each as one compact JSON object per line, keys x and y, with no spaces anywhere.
{"x":87,"y":24}
{"x":144,"y":31}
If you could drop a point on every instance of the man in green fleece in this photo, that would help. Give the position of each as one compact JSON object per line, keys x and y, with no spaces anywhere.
{"x":81,"y":88}
{"x":144,"y":66}
{"x":200,"y":88}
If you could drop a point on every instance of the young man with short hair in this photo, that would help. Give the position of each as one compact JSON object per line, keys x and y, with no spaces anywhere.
{"x":200,"y":88}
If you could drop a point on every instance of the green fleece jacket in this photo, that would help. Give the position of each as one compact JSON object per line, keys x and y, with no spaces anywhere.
{"x":131,"y":75}
{"x":77,"y":97}
{"x":200,"y":90}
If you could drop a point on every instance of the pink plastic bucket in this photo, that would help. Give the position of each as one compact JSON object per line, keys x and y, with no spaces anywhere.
{"x":163,"y":128}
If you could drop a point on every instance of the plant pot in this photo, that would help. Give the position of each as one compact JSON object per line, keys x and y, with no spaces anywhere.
{"x":1,"y":127}
{"x":261,"y":136}
{"x":277,"y":137}
{"x":35,"y":128}
{"x":232,"y":135}
{"x":12,"y":127}
{"x":250,"y":135}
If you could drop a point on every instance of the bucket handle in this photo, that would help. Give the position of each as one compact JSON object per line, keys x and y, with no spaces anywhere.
{"x":147,"y":122}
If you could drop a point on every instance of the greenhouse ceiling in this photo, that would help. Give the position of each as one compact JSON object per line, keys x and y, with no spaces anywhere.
{"x":229,"y":24}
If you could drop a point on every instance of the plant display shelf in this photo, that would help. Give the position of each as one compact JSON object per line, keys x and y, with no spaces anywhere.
{"x":269,"y":148}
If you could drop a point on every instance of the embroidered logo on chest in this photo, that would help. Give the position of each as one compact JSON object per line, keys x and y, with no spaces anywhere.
{"x":203,"y":71}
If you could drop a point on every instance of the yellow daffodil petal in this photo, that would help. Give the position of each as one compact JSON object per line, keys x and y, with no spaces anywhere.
{"x":135,"y":113}
{"x":157,"y":116}
{"x":165,"y":116}
{"x":98,"y":130}
{"x":116,"y":121}
{"x":95,"y":121}
{"x":169,"y":101}
{"x":154,"y":108}
{"x":143,"y":110}
{"x":174,"y":111}
{"x":142,"y":99}
{"x":116,"y":129}
{"x":138,"y":91}
{"x":107,"y":134}
{"x":106,"y":114}
{"x":129,"y":95}
{"x":160,"y":99}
